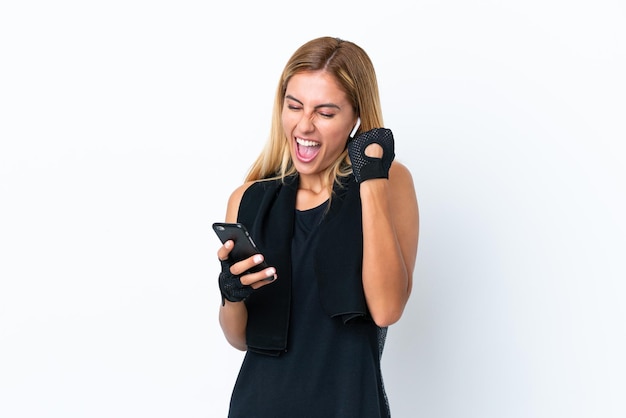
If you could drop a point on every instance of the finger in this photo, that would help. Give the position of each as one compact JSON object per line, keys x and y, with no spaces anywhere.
{"x":245,"y":265}
{"x":260,"y":278}
{"x":374,"y":151}
{"x":225,"y":250}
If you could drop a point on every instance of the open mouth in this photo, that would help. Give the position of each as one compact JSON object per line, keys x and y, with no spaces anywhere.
{"x":307,"y":150}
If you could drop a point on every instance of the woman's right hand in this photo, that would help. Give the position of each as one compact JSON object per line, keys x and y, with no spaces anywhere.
{"x":254,"y":280}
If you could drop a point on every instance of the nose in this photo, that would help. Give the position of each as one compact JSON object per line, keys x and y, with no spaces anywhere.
{"x":306,"y":123}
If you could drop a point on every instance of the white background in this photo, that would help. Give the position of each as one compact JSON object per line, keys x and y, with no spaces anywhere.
{"x":124,"y":125}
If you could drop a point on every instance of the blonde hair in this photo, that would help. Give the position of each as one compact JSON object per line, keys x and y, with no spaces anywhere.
{"x":354,"y":71}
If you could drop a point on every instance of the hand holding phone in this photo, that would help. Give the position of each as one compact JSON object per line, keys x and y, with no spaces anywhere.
{"x":244,"y":247}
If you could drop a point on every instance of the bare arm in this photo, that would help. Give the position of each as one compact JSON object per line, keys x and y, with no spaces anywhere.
{"x":233,"y":316}
{"x":390,"y":235}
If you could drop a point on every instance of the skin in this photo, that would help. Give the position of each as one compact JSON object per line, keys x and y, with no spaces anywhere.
{"x":318,"y":110}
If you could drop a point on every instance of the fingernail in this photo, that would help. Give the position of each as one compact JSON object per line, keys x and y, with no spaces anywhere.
{"x":270,"y":272}
{"x":258,"y":258}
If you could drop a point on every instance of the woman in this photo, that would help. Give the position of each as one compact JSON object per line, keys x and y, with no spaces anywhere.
{"x":336,"y":219}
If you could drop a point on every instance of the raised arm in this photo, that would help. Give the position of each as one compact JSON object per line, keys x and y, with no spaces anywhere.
{"x":390,"y":224}
{"x":390,"y":236}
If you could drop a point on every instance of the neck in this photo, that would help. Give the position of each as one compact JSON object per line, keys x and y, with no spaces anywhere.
{"x":315,"y":184}
{"x":312,"y":192}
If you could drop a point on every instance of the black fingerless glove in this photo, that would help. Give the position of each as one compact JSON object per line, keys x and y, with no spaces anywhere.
{"x":230,"y":285}
{"x":365,"y":167}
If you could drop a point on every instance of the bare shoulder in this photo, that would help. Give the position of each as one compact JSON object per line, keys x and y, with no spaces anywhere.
{"x":234,"y":200}
{"x":402,"y":194}
{"x":400,"y":178}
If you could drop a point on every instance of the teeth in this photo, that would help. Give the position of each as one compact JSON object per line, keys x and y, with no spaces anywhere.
{"x":307,"y":143}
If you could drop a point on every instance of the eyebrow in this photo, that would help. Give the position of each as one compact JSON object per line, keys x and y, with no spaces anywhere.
{"x":290,"y":97}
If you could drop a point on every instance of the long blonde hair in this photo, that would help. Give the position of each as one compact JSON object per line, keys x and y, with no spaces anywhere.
{"x":354,"y":71}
